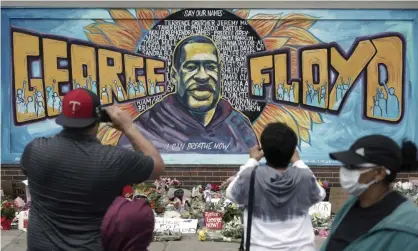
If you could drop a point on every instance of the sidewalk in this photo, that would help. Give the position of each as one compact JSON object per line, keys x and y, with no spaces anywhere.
{"x":15,"y":240}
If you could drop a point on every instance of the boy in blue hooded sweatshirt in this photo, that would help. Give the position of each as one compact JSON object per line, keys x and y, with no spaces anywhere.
{"x":374,"y":217}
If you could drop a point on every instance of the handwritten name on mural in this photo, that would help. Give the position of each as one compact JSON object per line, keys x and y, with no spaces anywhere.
{"x":327,"y":75}
{"x":47,"y":67}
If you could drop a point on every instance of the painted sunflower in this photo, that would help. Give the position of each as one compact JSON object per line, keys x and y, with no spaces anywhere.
{"x":277,"y":31}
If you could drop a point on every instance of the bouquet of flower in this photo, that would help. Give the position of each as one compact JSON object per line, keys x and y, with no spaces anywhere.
{"x":234,"y":228}
{"x":163,"y":184}
{"x":230,"y":211}
{"x":8,"y":213}
{"x":408,"y":189}
{"x":323,"y":184}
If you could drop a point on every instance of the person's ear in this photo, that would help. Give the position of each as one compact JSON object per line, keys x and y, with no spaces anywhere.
{"x":174,"y":76}
{"x":381,"y":173}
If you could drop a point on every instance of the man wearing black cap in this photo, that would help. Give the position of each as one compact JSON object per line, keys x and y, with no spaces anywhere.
{"x":375,"y":217}
{"x":74,"y":178}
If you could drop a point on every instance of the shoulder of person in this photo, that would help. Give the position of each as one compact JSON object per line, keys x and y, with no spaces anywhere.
{"x":305,"y":173}
{"x":246,"y":173}
{"x":39,"y":141}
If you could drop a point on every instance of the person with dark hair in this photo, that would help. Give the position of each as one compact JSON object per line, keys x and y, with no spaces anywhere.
{"x":196,"y":114}
{"x":283,"y":195}
{"x":127,"y":225}
{"x":73,"y":178}
{"x":374,"y":217}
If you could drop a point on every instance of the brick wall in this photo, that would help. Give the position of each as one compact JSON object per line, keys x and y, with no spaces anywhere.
{"x":191,"y":176}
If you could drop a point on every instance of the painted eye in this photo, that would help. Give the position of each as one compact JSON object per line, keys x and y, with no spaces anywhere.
{"x":190,"y":67}
{"x":211,"y":67}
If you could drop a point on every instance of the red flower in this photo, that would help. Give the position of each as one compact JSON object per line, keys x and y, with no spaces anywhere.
{"x":7,"y":205}
{"x":127,"y":191}
{"x":201,"y":190}
{"x":215,"y":187}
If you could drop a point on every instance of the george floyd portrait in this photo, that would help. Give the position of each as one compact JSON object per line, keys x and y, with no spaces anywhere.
{"x":195,"y":117}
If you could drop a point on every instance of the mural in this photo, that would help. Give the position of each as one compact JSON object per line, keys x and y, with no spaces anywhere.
{"x":202,"y":84}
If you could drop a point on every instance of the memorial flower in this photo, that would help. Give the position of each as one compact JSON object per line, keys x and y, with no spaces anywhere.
{"x":125,"y":30}
{"x":408,"y":189}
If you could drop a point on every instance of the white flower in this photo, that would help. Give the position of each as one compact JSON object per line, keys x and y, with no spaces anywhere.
{"x":397,"y":185}
{"x":407,"y":186}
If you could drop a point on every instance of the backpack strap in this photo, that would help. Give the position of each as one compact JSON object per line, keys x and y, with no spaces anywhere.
{"x":250,"y":208}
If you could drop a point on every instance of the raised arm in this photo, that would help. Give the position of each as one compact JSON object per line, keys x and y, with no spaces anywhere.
{"x":316,"y":192}
{"x":122,"y":121}
{"x":238,"y":188}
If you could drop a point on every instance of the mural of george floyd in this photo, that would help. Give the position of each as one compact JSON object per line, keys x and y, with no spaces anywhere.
{"x":202,"y":84}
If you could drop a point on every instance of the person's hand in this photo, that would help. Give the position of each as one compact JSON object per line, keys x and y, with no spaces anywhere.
{"x":256,"y":153}
{"x":120,"y":119}
{"x":295,"y":156}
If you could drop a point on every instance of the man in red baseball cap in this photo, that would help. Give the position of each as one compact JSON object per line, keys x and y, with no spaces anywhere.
{"x":74,"y":178}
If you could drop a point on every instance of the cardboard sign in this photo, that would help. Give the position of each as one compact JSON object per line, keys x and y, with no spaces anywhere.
{"x":213,"y":220}
{"x":337,"y":197}
{"x":321,"y":210}
{"x":185,"y":226}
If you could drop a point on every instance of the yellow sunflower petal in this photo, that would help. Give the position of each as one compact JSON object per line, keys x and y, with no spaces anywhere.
{"x":118,"y":36}
{"x":242,"y":13}
{"x":304,"y":135}
{"x":146,"y":17}
{"x":296,"y":20}
{"x":316,"y":117}
{"x":126,"y":20}
{"x":274,"y":43}
{"x":273,"y":113}
{"x":99,"y":39}
{"x":302,"y":119}
{"x":92,"y":28}
{"x":99,"y":20}
{"x":174,"y":10}
{"x":298,"y":36}
{"x":161,"y":13}
{"x":108,"y":135}
{"x":264,"y":23}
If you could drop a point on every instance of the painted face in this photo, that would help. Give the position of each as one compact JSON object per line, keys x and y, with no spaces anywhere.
{"x":19,"y":92}
{"x":198,"y":77}
{"x":39,"y":94}
{"x":103,"y":89}
{"x":392,"y":91}
{"x":30,"y":99}
{"x":119,"y":88}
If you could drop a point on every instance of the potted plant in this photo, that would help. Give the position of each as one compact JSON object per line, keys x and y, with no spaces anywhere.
{"x":8,"y":213}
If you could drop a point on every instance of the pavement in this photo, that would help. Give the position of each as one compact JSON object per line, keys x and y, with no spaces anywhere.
{"x":15,"y":240}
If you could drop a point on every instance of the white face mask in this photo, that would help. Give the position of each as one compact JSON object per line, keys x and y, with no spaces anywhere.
{"x":349,"y":181}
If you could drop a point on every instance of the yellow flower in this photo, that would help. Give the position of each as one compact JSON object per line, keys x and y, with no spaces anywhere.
{"x":202,"y":235}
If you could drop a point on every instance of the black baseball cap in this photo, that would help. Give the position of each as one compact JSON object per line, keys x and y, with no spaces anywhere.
{"x":79,"y":109}
{"x":374,"y":149}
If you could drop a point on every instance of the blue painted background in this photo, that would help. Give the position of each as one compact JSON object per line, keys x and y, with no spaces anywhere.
{"x":338,"y":132}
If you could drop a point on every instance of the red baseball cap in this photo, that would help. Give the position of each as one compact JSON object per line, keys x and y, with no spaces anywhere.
{"x":79,"y":109}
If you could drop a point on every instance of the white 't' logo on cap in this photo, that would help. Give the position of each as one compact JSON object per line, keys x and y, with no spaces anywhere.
{"x":360,"y":151}
{"x":75,"y":105}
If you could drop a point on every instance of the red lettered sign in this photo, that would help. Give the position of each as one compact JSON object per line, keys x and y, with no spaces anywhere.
{"x":213,"y":220}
